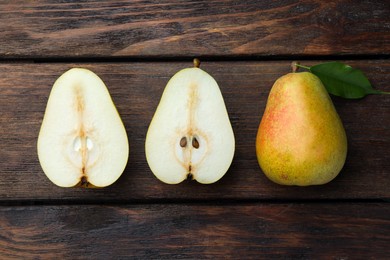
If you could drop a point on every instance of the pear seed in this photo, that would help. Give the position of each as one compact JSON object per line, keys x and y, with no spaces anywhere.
{"x":195,"y":143}
{"x":89,"y":143}
{"x":183,"y":141}
{"x":77,"y":144}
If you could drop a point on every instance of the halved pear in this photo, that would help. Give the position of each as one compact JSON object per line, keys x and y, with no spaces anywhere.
{"x":190,"y":134}
{"x":82,"y":141}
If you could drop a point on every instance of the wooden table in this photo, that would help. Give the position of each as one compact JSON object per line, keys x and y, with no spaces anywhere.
{"x":135,"y":47}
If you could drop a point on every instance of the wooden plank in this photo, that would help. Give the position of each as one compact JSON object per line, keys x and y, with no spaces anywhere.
{"x":136,"y":89}
{"x":39,"y":29}
{"x":256,"y":231}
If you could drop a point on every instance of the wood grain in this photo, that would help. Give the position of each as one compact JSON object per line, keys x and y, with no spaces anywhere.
{"x":249,"y":231}
{"x":42,"y":29}
{"x":242,"y":216}
{"x":136,"y":89}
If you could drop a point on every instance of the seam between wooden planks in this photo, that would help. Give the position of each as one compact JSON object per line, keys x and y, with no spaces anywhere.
{"x":203,"y":202}
{"x":225,"y":58}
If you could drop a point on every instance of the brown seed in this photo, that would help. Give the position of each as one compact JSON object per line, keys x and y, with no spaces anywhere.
{"x":195,"y":143}
{"x":183,"y":141}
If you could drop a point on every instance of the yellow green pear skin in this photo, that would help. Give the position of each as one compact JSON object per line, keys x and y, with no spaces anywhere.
{"x":301,"y":139}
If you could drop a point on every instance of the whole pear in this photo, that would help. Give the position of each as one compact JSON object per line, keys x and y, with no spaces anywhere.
{"x":301,"y":139}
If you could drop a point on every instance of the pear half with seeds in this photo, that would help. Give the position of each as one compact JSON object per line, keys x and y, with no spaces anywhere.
{"x":82,"y":141}
{"x":190,"y":135}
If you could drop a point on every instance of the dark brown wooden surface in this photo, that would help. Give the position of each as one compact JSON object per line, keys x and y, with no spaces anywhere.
{"x":135,"y":47}
{"x":305,"y":231}
{"x":31,"y":29}
{"x":136,"y":89}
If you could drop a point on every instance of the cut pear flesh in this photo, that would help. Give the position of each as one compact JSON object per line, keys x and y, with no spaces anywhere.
{"x":190,"y":134}
{"x":82,"y":141}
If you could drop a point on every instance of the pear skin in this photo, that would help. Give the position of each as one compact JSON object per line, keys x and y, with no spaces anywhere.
{"x":301,"y":139}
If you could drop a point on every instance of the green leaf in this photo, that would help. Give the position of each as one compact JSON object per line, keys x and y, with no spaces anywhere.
{"x":342,"y":80}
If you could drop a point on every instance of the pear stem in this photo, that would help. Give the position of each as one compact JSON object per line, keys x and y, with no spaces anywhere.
{"x":196,"y":63}
{"x":294,"y":66}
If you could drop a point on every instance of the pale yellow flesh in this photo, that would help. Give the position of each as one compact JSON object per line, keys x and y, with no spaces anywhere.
{"x":82,"y":138}
{"x":301,"y":139}
{"x":191,"y":106}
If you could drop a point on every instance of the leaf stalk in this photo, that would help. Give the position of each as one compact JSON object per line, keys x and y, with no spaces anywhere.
{"x":301,"y":66}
